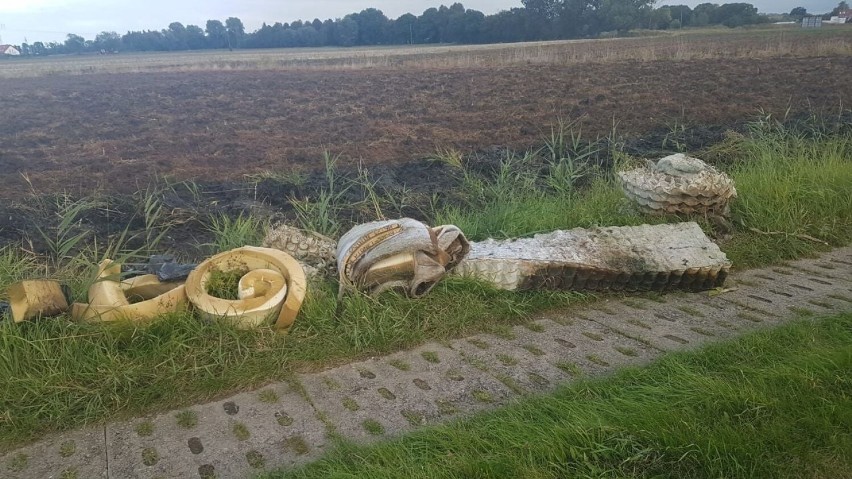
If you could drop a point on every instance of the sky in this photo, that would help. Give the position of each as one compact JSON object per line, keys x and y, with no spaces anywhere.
{"x":52,"y":20}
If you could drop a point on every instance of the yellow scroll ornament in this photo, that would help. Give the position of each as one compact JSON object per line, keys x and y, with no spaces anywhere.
{"x":272,"y":289}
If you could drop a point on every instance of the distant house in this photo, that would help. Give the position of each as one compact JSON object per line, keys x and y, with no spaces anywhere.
{"x":9,"y":50}
{"x":843,"y":16}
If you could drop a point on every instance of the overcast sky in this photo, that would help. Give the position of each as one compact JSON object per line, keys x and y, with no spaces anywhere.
{"x":51,"y":20}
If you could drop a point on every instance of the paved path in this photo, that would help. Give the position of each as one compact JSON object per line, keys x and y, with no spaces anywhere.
{"x":285,"y":424}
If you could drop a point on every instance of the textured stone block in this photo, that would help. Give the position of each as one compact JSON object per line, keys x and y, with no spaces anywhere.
{"x":661,"y":257}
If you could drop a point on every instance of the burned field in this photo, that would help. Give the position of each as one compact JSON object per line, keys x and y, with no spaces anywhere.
{"x":112,"y":132}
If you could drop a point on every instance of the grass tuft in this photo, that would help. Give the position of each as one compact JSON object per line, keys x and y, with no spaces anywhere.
{"x":229,"y":233}
{"x":187,"y":419}
{"x":373,"y":427}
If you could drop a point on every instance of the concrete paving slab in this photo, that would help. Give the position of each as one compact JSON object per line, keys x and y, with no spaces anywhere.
{"x":78,"y":454}
{"x":240,"y":436}
{"x":600,"y":347}
{"x":387,"y":396}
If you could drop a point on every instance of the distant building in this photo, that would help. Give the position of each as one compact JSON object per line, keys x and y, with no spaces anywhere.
{"x":9,"y":50}
{"x":843,"y":16}
{"x":812,"y":22}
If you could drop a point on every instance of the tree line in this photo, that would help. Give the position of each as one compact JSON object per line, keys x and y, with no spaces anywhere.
{"x":535,"y":20}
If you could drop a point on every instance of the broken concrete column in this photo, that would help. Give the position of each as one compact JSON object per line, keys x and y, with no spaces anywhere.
{"x":631,"y":258}
{"x":679,"y":184}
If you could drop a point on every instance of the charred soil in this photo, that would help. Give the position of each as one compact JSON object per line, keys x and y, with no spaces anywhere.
{"x":112,"y":132}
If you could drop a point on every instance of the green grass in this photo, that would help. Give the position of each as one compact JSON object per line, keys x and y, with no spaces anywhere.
{"x":771,"y":404}
{"x":373,"y":427}
{"x":268,"y":396}
{"x":230,"y":233}
{"x":240,"y":431}
{"x":225,"y":284}
{"x":794,"y":189}
{"x":187,"y":419}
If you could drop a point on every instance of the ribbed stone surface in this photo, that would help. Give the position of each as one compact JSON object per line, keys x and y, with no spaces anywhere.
{"x":661,"y":257}
{"x":679,"y":184}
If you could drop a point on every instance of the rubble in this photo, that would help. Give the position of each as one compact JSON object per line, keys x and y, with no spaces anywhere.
{"x":631,"y":258}
{"x":404,"y":254}
{"x":313,"y":251}
{"x":272,"y":287}
{"x":679,"y":184}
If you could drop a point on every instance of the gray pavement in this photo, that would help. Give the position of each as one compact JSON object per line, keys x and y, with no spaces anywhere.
{"x":287,"y":424}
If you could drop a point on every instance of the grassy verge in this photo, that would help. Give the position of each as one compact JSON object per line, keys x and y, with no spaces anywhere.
{"x":793,"y":185}
{"x":772,"y":404}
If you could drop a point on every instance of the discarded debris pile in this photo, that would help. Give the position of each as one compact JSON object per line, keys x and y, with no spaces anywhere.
{"x":271,"y":290}
{"x":663,"y":257}
{"x":404,"y":254}
{"x":374,"y":257}
{"x":679,"y":184}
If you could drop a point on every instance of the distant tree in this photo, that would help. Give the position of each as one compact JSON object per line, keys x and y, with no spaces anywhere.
{"x":456,"y":24}
{"x":144,"y":41}
{"x":401,"y":30}
{"x":306,"y":36}
{"x":620,"y":15}
{"x":537,"y":20}
{"x":74,"y":43}
{"x":175,"y":36}
{"x":703,"y":14}
{"x":507,"y":26}
{"x":735,"y":15}
{"x":236,"y":32}
{"x":682,"y":13}
{"x":660,"y":18}
{"x":372,"y":26}
{"x":842,"y":6}
{"x":217,"y":35}
{"x":195,"y":39}
{"x":473,"y":23}
{"x":799,"y":12}
{"x":329,"y":32}
{"x":542,"y":10}
{"x":347,"y":32}
{"x":108,"y":41}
